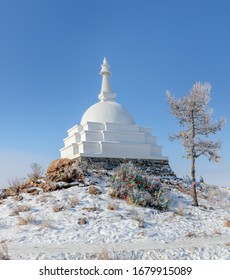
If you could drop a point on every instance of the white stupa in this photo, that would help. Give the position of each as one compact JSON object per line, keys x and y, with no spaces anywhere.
{"x":107,"y":130}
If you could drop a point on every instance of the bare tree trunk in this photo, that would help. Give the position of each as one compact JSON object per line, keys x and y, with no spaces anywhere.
{"x":193,"y":169}
{"x":194,"y":194}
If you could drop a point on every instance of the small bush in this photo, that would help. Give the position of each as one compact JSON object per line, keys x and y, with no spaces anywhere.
{"x":131,"y":184}
{"x":16,"y":182}
{"x":37,"y":171}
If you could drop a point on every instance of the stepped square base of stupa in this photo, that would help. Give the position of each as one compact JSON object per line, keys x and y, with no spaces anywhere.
{"x":111,"y":140}
{"x":149,"y":166}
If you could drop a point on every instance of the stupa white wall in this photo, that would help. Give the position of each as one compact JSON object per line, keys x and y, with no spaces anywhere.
{"x":107,"y":130}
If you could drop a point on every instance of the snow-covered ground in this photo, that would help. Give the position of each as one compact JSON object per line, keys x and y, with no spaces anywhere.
{"x":73,"y":224}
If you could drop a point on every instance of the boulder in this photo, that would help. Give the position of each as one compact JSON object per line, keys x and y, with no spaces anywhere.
{"x":48,"y":187}
{"x":64,"y":170}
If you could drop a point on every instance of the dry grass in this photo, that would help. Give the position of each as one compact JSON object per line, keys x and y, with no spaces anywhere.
{"x":25,"y":220}
{"x":184,"y":189}
{"x":190,"y":234}
{"x":104,"y":255}
{"x":227,"y":223}
{"x":141,"y":234}
{"x":113,"y":206}
{"x":217,"y":231}
{"x":44,"y":198}
{"x":140,"y":221}
{"x":91,"y":209}
{"x":20,"y":208}
{"x":58,"y":208}
{"x":16,"y":182}
{"x":93,"y":190}
{"x":18,"y":197}
{"x":3,"y":251}
{"x":218,"y":196}
{"x":180,"y":210}
{"x":134,"y":212}
{"x":82,"y":221}
{"x":37,"y":171}
{"x":46,"y":223}
{"x":73,"y":201}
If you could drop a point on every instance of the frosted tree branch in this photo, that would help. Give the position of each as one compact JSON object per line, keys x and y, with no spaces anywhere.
{"x":195,"y":120}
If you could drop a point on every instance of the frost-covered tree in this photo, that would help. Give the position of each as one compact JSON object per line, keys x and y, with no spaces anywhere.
{"x":195,"y":120}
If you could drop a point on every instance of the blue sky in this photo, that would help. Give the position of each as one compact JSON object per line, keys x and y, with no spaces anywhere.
{"x":50,"y":57}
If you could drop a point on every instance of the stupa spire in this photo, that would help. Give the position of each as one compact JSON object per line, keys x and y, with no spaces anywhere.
{"x":106,"y":93}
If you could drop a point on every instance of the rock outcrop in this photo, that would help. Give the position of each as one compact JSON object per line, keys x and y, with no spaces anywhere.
{"x":62,"y":170}
{"x":64,"y":173}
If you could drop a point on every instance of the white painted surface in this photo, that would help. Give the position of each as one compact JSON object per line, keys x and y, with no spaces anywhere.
{"x":106,"y":93}
{"x":112,"y":143}
{"x":108,"y":130}
{"x":107,"y":111}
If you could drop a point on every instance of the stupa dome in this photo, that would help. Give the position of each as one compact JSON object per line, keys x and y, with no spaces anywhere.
{"x":107,"y":111}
